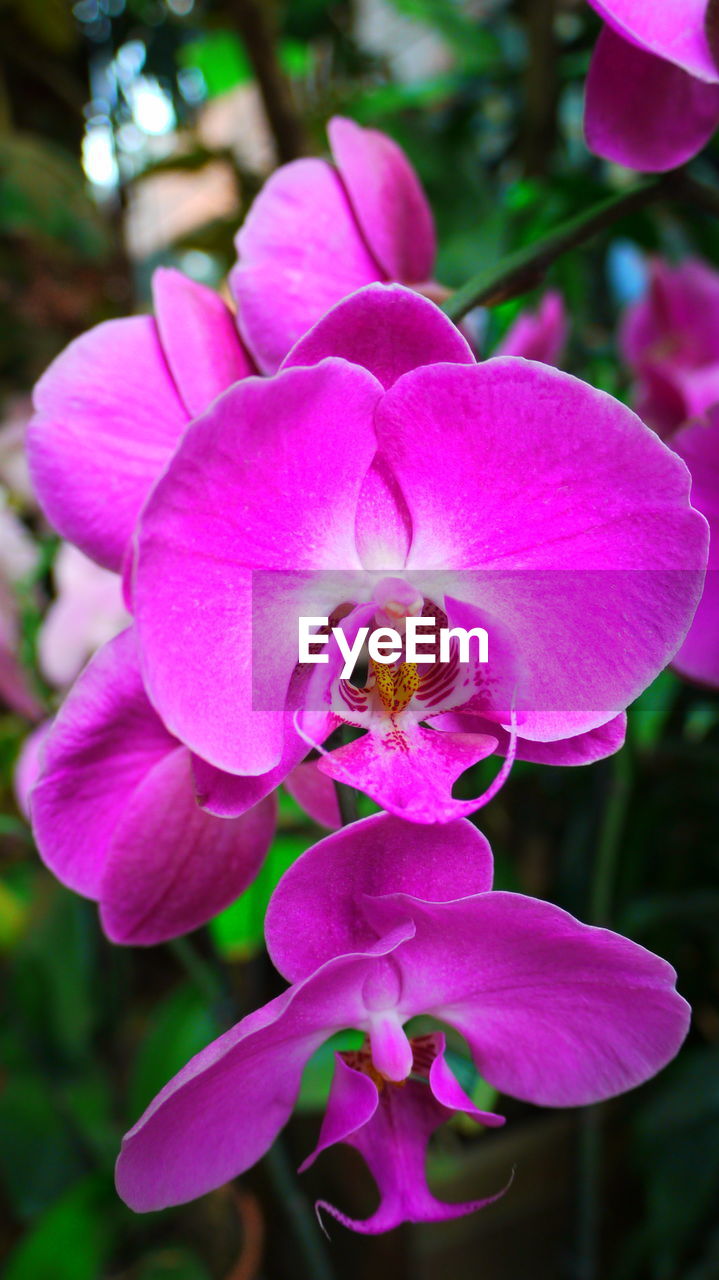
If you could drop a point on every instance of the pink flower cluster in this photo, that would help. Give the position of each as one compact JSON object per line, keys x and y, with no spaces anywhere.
{"x":670,"y":341}
{"x":373,"y":468}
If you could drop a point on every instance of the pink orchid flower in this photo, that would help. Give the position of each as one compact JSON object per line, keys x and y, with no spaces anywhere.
{"x":374,"y":926}
{"x":383,"y":459}
{"x":670,"y":341}
{"x":698,"y":445}
{"x":318,"y":231}
{"x":653,"y":84}
{"x":110,"y":411}
{"x":114,"y":812}
{"x":88,"y":610}
{"x":538,"y":335}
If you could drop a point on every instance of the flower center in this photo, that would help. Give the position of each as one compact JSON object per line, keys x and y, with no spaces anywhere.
{"x":396,"y":601}
{"x":424,"y":1051}
{"x":395,"y":686}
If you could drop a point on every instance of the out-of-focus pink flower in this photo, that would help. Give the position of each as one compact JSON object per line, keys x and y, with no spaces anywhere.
{"x":503,"y":494}
{"x":17,"y":558}
{"x":112,"y":407}
{"x":653,"y":84}
{"x":698,"y":445}
{"x":319,"y":231}
{"x":374,"y":926}
{"x":88,"y":610}
{"x":670,"y":341}
{"x":14,"y":475}
{"x":538,"y":335}
{"x":28,"y":766}
{"x":115,"y":816}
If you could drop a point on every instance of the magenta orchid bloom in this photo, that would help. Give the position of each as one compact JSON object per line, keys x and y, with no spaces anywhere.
{"x":670,"y":340}
{"x":112,"y":407}
{"x":653,"y":84}
{"x":538,"y":335}
{"x":383,"y":469}
{"x":374,"y":926}
{"x":319,"y":231}
{"x":698,"y":445}
{"x":115,"y":814}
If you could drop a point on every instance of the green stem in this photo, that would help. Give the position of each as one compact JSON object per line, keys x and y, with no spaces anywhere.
{"x":526,"y":267}
{"x":309,"y":1241}
{"x":591,"y":1144}
{"x":589,"y":1178}
{"x":200,"y":971}
{"x":610,"y":837}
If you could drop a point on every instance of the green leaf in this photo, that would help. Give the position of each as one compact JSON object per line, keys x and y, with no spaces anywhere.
{"x":43,"y":195}
{"x":238,"y":930}
{"x":649,"y":714}
{"x":181,"y":1025}
{"x":38,"y":1154}
{"x":678,"y":1144}
{"x":13,"y":910}
{"x":171,"y":1264}
{"x":73,"y":1239}
{"x":55,"y":975}
{"x":220,"y":57}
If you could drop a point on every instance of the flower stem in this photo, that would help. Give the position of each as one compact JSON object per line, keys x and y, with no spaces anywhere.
{"x":207,"y":980}
{"x":525,"y":268}
{"x":256,"y":20}
{"x":308,"y":1237}
{"x":591,"y":1144}
{"x":610,"y":836}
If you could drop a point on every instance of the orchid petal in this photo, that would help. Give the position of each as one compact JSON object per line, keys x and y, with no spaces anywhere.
{"x":410,"y":772}
{"x":29,"y":765}
{"x":698,"y":445}
{"x":392,"y":1137}
{"x":387,"y":198}
{"x":108,"y":418}
{"x":225,"y":1108}
{"x":540,"y":335}
{"x":644,"y":112}
{"x":104,"y":740}
{"x":313,"y":916}
{"x":315,"y":793}
{"x":555,"y":1012}
{"x":88,"y":610}
{"x":219,"y":642}
{"x":568,"y":550}
{"x":387,"y":329}
{"x":299,"y":243}
{"x":583,"y":748}
{"x":673,"y":30}
{"x":199,"y":338}
{"x":170,"y":866}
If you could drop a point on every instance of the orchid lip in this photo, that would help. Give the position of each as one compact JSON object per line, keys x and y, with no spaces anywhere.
{"x":391,"y":1050}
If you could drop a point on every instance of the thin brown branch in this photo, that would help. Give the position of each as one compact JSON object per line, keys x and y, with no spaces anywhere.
{"x":257,"y":28}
